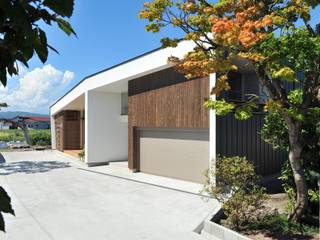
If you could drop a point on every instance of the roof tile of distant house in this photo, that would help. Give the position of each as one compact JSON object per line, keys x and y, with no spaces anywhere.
{"x":33,"y":119}
{"x":38,"y":119}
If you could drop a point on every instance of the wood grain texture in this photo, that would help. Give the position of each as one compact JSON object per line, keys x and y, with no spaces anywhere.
{"x":177,"y":105}
{"x":59,"y":131}
{"x":68,"y":130}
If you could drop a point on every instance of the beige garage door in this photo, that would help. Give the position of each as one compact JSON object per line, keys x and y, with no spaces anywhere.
{"x":182,"y":154}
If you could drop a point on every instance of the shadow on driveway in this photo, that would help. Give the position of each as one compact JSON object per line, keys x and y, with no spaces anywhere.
{"x":29,"y":167}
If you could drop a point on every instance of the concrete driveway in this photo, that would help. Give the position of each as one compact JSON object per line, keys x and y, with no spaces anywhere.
{"x":55,"y":197}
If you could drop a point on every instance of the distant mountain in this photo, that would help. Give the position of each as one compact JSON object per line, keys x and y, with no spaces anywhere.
{"x":10,"y":114}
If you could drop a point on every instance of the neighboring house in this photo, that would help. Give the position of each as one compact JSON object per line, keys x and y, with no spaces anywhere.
{"x":33,"y":122}
{"x":5,"y":125}
{"x":145,"y":112}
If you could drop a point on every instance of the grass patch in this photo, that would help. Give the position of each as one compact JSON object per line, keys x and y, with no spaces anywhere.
{"x":40,"y":137}
{"x":277,"y":226}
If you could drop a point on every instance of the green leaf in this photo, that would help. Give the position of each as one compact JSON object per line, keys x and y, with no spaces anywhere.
{"x":65,"y":26}
{"x":53,"y":49}
{"x":3,"y":76}
{"x":167,"y":42}
{"x":221,"y":107}
{"x":243,"y":114}
{"x":5,"y":207}
{"x":27,"y":52}
{"x":41,"y":45}
{"x":46,"y":16}
{"x":2,"y":225}
{"x":62,"y":7}
{"x":5,"y":202}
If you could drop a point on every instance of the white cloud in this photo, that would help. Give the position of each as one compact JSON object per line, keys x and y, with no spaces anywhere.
{"x":67,"y":77}
{"x":36,"y":89}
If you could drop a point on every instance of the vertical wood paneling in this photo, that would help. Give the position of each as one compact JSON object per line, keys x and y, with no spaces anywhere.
{"x":59,"y":131}
{"x":165,"y":104}
{"x":68,"y":132}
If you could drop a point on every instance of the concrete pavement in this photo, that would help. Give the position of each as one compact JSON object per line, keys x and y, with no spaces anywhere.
{"x":56,"y":197}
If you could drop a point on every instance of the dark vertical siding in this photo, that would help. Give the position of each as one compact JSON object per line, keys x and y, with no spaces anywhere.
{"x":242,"y":138}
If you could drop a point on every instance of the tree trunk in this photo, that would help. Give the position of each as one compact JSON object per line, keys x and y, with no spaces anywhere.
{"x":26,"y":134}
{"x":298,"y":174}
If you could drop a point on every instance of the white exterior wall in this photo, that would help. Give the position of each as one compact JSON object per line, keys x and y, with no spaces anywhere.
{"x":53,"y":133}
{"x":106,"y":135}
{"x":212,"y":127}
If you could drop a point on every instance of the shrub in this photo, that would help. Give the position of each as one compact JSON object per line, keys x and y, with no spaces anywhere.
{"x":40,"y":137}
{"x":11,"y":135}
{"x":237,"y":190}
{"x":278,"y":226}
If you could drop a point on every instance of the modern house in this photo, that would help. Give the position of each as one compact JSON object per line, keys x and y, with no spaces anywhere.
{"x":144,"y":112}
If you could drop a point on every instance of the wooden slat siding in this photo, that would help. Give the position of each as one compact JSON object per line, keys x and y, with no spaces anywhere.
{"x":242,"y":138}
{"x":71,"y":130}
{"x":67,"y":124}
{"x":59,"y":131}
{"x":167,"y":100}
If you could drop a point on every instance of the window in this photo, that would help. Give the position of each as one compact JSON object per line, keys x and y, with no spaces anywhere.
{"x":235,"y":82}
{"x":124,"y":103}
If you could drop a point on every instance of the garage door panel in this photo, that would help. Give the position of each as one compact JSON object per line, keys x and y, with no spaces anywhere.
{"x":177,"y":154}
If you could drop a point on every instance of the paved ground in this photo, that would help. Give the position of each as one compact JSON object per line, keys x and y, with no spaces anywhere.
{"x":54,"y":197}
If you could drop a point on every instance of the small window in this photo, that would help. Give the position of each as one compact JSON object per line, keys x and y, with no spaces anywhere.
{"x":124,"y":103}
{"x":235,"y":82}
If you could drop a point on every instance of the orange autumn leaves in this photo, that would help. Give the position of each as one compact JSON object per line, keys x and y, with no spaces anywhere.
{"x":245,"y":29}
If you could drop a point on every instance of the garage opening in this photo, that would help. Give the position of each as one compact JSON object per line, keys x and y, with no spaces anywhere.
{"x":176,"y":153}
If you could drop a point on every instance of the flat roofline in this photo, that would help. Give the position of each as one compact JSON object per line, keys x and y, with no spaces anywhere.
{"x":104,"y":70}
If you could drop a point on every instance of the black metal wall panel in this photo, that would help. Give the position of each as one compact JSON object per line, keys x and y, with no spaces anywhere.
{"x":242,"y":138}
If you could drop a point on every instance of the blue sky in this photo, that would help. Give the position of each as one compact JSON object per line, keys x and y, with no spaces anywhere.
{"x":108,"y":32}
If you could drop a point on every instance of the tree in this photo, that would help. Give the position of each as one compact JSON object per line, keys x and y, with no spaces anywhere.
{"x":20,"y":38}
{"x":21,"y":35}
{"x":275,"y":132}
{"x":274,"y":36}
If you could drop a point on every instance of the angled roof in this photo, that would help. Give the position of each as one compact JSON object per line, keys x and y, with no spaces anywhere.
{"x":104,"y":70}
{"x":141,"y":65}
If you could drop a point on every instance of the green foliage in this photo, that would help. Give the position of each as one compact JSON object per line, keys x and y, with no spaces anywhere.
{"x":237,"y":189}
{"x":295,"y":97}
{"x":38,"y":137}
{"x":278,"y":226}
{"x":221,"y":107}
{"x":5,"y":207}
{"x":21,"y":35}
{"x":275,"y":131}
{"x":245,"y":111}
